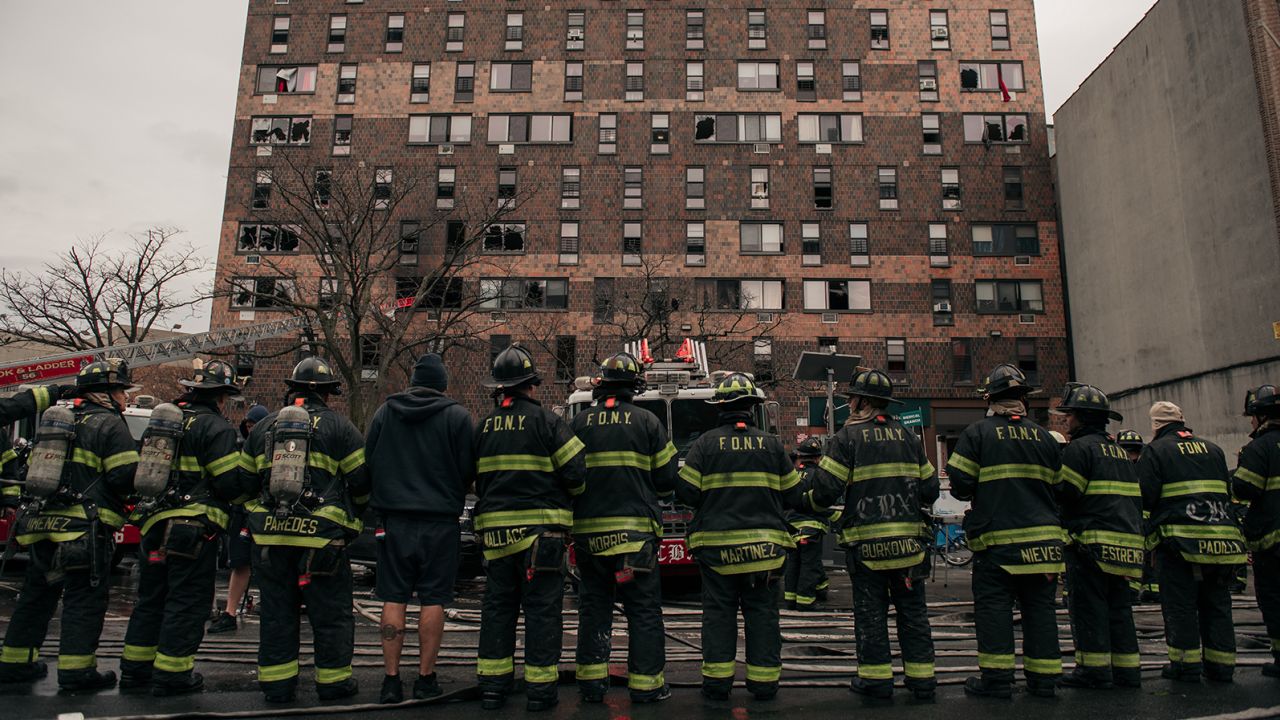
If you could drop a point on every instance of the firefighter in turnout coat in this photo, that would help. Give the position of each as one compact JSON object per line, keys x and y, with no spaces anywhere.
{"x":1197,"y":543}
{"x":740,"y":483}
{"x":878,"y":468}
{"x":616,"y":528}
{"x":1007,"y":466}
{"x":1102,"y":512}
{"x":1257,"y":480}
{"x":68,"y":533}
{"x":529,"y":467}
{"x":305,"y":510}
{"x":181,"y":532}
{"x":805,"y":579}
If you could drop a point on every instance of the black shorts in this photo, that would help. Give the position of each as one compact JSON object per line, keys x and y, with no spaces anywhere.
{"x":239,"y":544}
{"x":417,"y":557}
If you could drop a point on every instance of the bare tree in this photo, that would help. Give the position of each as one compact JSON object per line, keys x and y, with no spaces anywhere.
{"x":363,"y":276}
{"x":95,"y":295}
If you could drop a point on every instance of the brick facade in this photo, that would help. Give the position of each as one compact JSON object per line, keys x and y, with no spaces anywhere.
{"x":899,"y":268}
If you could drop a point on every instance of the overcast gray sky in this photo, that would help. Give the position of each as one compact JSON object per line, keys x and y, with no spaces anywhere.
{"x":127,"y":123}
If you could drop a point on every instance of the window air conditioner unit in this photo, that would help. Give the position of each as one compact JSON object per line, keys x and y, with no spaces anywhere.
{"x":445,"y":150}
{"x":830,"y":318}
{"x":764,"y":317}
{"x":760,"y":148}
{"x":1022,"y":260}
{"x":941,"y":33}
{"x":497,"y":317}
{"x":252,"y":259}
{"x":1026,"y":319}
{"x":576,"y":34}
{"x":507,"y":149}
{"x":942,"y":307}
{"x":929,"y":84}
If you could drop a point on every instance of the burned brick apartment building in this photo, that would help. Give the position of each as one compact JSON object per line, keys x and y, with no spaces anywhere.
{"x":869,"y":177}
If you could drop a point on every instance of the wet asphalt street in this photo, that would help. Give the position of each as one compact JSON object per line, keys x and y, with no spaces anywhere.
{"x":818,"y":657}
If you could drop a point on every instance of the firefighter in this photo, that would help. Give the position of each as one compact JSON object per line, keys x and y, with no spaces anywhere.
{"x":528,"y":468}
{"x":805,"y":581}
{"x":1197,"y":544}
{"x":616,"y":528}
{"x":740,"y":483}
{"x":1006,"y":465}
{"x":1149,"y":587}
{"x":1257,"y":480}
{"x":1102,"y":512}
{"x":25,"y":404}
{"x":68,"y":531}
{"x":181,"y":531}
{"x":878,"y":467}
{"x":304,"y":465}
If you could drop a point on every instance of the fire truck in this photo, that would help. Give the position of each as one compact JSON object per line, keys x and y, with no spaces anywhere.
{"x":677,"y":391}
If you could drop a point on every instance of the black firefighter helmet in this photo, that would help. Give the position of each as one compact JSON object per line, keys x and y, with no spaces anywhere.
{"x":105,"y":375}
{"x":216,"y":375}
{"x":622,"y":370}
{"x":1005,"y":381}
{"x":512,"y":368}
{"x":1129,"y":440}
{"x":873,"y":384}
{"x":810,"y":448}
{"x":314,"y":374}
{"x":1257,"y":400}
{"x":734,"y":389}
{"x":1078,"y":397}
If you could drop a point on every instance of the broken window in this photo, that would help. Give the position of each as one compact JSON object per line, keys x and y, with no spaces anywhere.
{"x":249,"y":293}
{"x":258,"y":238}
{"x":989,"y":76}
{"x":989,"y":129}
{"x":504,"y":238}
{"x":519,"y":294}
{"x":261,"y":189}
{"x":283,"y":80}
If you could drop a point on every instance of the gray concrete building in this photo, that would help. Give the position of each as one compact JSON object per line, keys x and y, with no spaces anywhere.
{"x":1168,"y":160}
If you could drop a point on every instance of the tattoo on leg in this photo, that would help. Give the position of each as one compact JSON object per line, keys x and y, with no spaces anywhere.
{"x":390,"y":632}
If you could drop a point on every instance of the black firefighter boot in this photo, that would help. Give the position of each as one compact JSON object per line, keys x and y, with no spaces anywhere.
{"x":89,"y":680}
{"x":28,"y":672}
{"x":180,"y":684}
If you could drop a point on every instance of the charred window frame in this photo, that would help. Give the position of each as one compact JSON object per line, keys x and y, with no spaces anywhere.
{"x":262,"y":293}
{"x":261,"y":190}
{"x":505,"y":238}
{"x":268,"y":238}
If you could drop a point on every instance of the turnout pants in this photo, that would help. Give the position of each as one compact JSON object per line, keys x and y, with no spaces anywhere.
{"x":756,"y":595}
{"x":1266,"y":584}
{"x":873,"y":591}
{"x":804,"y":573}
{"x":287,"y":578}
{"x":642,"y":602}
{"x":50,"y":577}
{"x":175,"y":593}
{"x":509,"y":587}
{"x":1196,"y":603}
{"x":1101,"y":621}
{"x":994,"y":593}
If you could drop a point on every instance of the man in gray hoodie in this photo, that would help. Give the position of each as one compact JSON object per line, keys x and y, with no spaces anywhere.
{"x":421,"y":455}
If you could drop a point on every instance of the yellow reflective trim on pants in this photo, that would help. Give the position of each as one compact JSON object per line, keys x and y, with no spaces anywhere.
{"x":524,"y":518}
{"x":1093,"y":659}
{"x":645,"y":683}
{"x":788,"y":595}
{"x":168,"y":663}
{"x":1042,"y":666}
{"x":541,"y":673}
{"x":139,"y":653}
{"x":757,"y":673}
{"x":1221,"y":657}
{"x":805,"y":600}
{"x":77,"y":662}
{"x":329,"y":676}
{"x":1126,"y":660}
{"x":718,"y":670}
{"x":591,"y":671}
{"x":918,"y":670}
{"x":18,"y":655}
{"x":1193,"y":487}
{"x":994,"y":661}
{"x":876,"y":672}
{"x":1184,"y":656}
{"x":498,"y":666}
{"x":274,"y":673}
